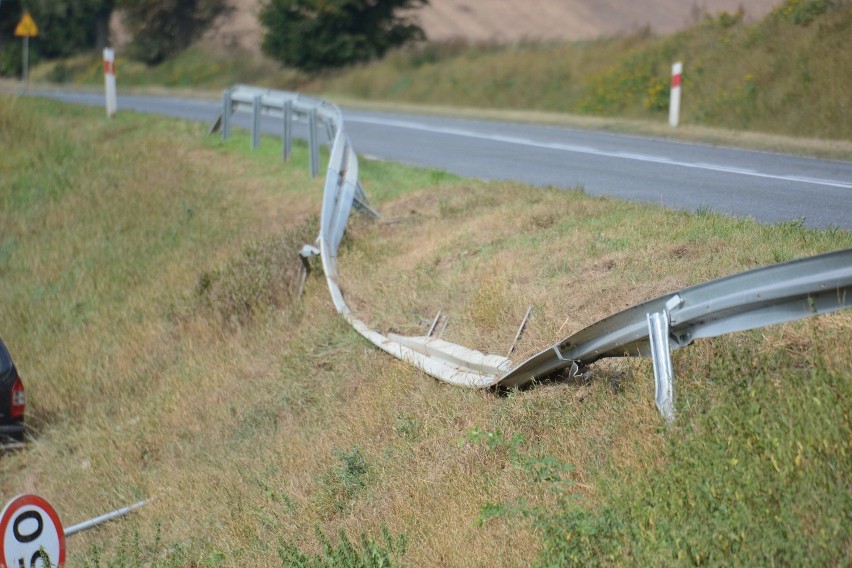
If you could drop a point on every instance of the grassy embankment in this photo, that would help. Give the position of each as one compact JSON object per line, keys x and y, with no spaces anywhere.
{"x":145,"y":292}
{"x":782,"y":75}
{"x":785,"y":75}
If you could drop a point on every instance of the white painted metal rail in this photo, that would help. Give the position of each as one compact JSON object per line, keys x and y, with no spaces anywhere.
{"x":445,"y":361}
{"x":743,"y":301}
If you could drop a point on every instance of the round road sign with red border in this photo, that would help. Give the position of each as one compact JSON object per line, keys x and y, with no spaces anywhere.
{"x":29,"y":530}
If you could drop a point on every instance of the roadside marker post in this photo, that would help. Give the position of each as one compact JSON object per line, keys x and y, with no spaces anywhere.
{"x":109,"y":82}
{"x":26,"y":29}
{"x":674,"y":99}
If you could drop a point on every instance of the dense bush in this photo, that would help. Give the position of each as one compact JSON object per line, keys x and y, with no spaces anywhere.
{"x":312,"y":35}
{"x":65,"y":28}
{"x":166,"y":27}
{"x":265,"y":275}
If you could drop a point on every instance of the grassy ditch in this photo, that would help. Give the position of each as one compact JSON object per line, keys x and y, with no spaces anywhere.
{"x":146,"y":295}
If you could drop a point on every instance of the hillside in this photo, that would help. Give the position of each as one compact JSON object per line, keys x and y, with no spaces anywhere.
{"x":739,"y":75}
{"x":502,"y":21}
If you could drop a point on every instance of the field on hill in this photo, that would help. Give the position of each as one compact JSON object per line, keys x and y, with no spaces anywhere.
{"x":146,"y":293}
{"x":502,"y":21}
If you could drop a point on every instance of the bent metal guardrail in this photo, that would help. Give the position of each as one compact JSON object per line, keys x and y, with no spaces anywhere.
{"x":757,"y":298}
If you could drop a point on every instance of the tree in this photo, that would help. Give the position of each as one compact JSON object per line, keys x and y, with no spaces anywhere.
{"x":66,"y":27}
{"x":312,"y":35}
{"x":162,"y":28}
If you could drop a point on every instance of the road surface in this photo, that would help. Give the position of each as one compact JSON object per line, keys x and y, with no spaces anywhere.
{"x":767,"y":186}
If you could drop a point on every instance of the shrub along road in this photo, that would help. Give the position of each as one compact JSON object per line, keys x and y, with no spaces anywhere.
{"x":769,"y":187}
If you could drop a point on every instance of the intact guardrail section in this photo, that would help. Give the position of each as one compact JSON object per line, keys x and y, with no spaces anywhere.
{"x":757,"y":298}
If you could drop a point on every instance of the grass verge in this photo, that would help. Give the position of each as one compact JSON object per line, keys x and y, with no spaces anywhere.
{"x":145,"y":298}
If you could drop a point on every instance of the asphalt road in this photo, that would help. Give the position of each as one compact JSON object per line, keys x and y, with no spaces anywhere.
{"x":767,"y":186}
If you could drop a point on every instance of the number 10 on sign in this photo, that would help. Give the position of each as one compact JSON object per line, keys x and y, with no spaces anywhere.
{"x":31,"y":535}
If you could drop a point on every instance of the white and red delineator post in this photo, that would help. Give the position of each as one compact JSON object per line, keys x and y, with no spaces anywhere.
{"x":109,"y":81}
{"x":674,"y":99}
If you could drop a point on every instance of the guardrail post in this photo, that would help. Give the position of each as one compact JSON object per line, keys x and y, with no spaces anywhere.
{"x":287,"y":131}
{"x":658,"y":337}
{"x":313,"y":142}
{"x":255,"y":123}
{"x":226,"y":114}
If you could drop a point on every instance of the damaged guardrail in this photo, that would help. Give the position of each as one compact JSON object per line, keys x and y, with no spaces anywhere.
{"x":757,"y":298}
{"x":445,"y":361}
{"x":752,"y":299}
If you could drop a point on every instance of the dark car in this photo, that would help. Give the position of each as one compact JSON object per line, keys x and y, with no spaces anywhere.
{"x":13,"y":399}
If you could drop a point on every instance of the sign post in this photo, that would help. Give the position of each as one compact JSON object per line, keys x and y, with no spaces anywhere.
{"x":109,"y":82}
{"x":31,"y":534}
{"x":26,"y":29}
{"x":674,"y":99}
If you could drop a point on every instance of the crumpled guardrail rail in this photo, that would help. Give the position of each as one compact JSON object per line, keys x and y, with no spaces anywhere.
{"x":757,"y":298}
{"x":445,"y":361}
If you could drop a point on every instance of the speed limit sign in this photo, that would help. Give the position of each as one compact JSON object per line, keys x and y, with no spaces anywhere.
{"x":31,"y":535}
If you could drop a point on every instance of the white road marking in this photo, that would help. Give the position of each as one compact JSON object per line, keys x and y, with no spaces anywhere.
{"x":594,"y":151}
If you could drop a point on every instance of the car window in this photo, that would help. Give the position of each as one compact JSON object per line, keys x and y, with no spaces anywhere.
{"x":5,"y":359}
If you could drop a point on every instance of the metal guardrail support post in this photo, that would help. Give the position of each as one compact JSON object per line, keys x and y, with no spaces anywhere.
{"x":362,"y":204}
{"x":434,"y":324}
{"x":661,"y":354}
{"x":658,"y":336}
{"x":255,"y":123}
{"x":226,"y":114}
{"x":313,"y":142}
{"x":287,"y":131}
{"x":520,"y":331}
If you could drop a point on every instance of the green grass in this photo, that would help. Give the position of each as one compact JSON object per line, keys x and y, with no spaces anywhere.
{"x":202,"y":66}
{"x":753,"y":478}
{"x":736,"y":75}
{"x":145,"y":293}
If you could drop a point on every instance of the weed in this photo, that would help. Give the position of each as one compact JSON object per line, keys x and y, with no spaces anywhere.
{"x":342,"y":482}
{"x":704,"y":210}
{"x":538,"y":469}
{"x":439,"y":177}
{"x":640,"y":77}
{"x":346,"y":554}
{"x":407,"y":427}
{"x":541,"y":469}
{"x":724,"y":19}
{"x":803,"y":12}
{"x":265,"y":275}
{"x":489,"y":307}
